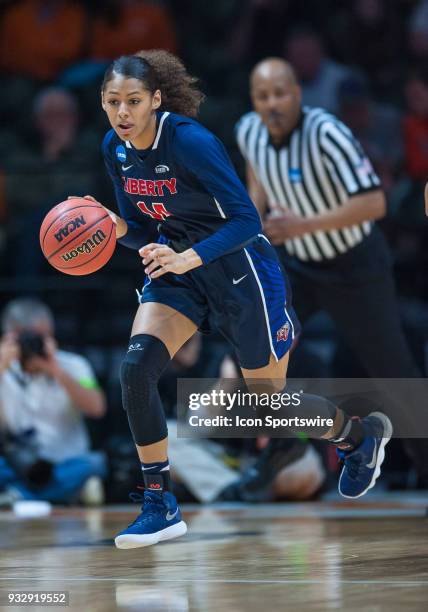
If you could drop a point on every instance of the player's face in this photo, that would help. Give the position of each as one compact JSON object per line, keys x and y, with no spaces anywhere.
{"x":277,"y":100}
{"x":131,"y":109}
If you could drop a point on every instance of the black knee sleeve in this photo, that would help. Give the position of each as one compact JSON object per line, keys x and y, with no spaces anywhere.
{"x":141,"y":369}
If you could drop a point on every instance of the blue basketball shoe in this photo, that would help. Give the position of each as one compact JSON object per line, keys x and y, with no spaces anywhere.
{"x":160,"y":519}
{"x":361,"y":466}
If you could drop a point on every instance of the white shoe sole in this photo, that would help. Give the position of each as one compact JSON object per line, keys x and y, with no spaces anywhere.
{"x":134,"y":540}
{"x":387,"y":432}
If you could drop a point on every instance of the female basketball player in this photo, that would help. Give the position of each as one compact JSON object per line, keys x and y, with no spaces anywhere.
{"x":212,"y":267}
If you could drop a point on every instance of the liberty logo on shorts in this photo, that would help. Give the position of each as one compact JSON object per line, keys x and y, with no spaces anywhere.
{"x":282,"y":333}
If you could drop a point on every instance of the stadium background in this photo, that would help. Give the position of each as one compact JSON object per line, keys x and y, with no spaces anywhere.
{"x":365,"y":59}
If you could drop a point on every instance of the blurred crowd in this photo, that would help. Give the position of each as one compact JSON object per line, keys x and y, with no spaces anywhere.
{"x":365,"y":60}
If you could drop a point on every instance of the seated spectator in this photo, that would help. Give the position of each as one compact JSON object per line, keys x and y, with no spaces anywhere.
{"x":44,"y":395}
{"x":259,"y":26}
{"x":55,"y":158}
{"x":418,"y":32}
{"x":41,"y":172}
{"x":406,"y":201}
{"x":376,"y":126}
{"x":122,"y":27}
{"x":56,"y":120}
{"x":259,"y":29}
{"x":319,"y":76}
{"x":416,"y":126}
{"x":368,"y":34}
{"x":39,"y":38}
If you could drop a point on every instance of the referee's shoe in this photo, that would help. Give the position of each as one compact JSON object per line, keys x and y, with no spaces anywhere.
{"x":361,"y":466}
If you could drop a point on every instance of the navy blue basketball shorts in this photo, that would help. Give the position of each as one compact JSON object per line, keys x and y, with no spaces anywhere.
{"x":244,"y":295}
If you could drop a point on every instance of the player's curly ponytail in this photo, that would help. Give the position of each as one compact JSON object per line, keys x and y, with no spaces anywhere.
{"x":159,"y":69}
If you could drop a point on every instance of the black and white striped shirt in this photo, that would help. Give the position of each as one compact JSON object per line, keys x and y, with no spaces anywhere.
{"x":320,"y":167}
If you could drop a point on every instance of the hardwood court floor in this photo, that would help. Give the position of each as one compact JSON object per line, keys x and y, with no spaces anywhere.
{"x":369,"y":555}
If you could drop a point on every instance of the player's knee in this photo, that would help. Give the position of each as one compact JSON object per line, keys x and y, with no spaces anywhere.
{"x":141,"y":369}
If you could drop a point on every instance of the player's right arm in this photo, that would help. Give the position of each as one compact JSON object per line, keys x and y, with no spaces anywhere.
{"x":121,"y":225}
{"x":256,"y":191}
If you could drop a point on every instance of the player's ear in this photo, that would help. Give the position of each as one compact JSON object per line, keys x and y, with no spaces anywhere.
{"x":156,"y":100}
{"x":103,"y":104}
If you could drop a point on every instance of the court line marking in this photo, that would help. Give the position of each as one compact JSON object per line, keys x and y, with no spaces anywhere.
{"x":395,"y":583}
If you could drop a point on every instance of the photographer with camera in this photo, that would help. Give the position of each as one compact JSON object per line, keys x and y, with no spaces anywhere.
{"x":44,"y":395}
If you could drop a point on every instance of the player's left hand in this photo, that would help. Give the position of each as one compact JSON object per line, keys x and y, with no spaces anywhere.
{"x":284,"y":226}
{"x":161,"y":259}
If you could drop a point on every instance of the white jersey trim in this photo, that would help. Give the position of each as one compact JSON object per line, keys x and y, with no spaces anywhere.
{"x":264,"y":303}
{"x":220,"y":210}
{"x":159,"y":132}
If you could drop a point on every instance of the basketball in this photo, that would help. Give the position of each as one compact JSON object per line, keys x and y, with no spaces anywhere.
{"x":78,"y":236}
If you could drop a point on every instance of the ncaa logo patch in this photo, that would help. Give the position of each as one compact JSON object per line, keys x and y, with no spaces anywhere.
{"x":121,"y":153}
{"x":282,"y":333}
{"x":161,"y":168}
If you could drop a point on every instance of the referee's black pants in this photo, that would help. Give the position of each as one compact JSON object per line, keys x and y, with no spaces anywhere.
{"x":357,"y":290}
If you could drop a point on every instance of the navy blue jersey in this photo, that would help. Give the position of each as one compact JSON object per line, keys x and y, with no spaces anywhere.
{"x":184,"y":182}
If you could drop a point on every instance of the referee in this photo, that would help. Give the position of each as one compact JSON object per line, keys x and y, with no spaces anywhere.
{"x":319,"y":196}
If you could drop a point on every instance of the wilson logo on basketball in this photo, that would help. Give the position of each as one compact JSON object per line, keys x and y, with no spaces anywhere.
{"x":154,"y":486}
{"x":70,"y":227}
{"x":86,"y":247}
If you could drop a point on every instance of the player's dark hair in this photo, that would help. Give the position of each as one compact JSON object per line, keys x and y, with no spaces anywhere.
{"x":159,"y":69}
